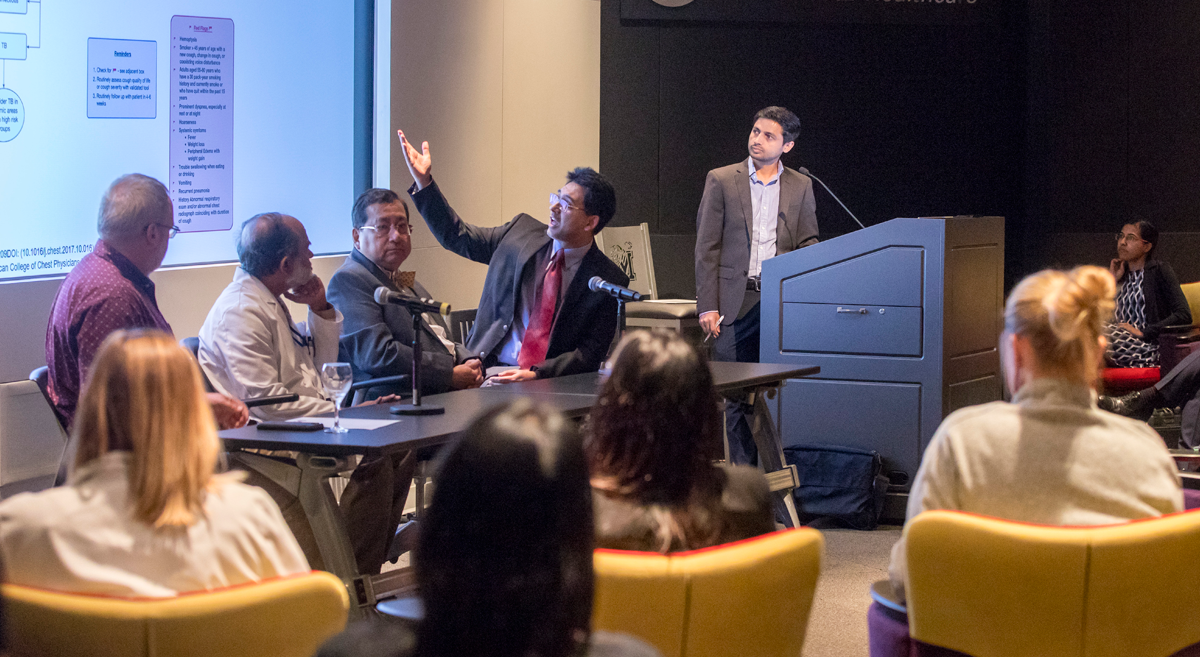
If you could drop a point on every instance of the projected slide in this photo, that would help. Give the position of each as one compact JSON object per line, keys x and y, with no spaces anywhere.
{"x":238,"y":107}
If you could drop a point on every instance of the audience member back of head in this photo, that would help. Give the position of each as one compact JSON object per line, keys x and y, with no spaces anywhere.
{"x":504,"y":556}
{"x":143,"y":513}
{"x":652,"y":438}
{"x":1051,"y":456}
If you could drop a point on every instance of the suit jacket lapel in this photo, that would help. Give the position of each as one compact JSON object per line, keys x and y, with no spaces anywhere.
{"x":578,"y":287}
{"x":743,"y":186}
{"x":528,"y":250}
{"x":381,"y":276}
{"x":783,"y":227}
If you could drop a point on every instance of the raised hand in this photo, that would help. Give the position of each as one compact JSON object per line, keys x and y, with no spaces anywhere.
{"x":420,"y":164}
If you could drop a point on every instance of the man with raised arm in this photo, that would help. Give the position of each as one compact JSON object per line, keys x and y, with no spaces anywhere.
{"x":536,"y":312}
{"x":750,"y":211}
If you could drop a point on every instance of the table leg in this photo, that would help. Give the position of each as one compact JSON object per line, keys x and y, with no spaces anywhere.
{"x":308,"y":481}
{"x":781,"y":477}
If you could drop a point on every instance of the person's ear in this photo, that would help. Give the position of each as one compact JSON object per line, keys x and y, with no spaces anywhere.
{"x":354,"y":236}
{"x":593,"y":221}
{"x":788,"y":146}
{"x":287,"y":265}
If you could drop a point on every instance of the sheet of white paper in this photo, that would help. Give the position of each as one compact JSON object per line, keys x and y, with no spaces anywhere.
{"x":349,"y":422}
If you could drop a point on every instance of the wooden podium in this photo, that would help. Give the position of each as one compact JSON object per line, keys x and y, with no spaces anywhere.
{"x":904,"y":320}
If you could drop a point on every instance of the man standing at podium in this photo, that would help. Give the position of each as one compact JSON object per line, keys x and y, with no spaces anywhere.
{"x":750,"y":211}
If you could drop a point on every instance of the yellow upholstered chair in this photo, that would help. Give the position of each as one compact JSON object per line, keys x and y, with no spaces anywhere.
{"x":986,"y":587}
{"x":1141,"y":582}
{"x":747,"y":598}
{"x":282,"y":617}
{"x":1192,"y":292}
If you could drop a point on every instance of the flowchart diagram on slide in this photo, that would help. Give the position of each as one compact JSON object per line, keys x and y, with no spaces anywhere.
{"x":15,"y":45}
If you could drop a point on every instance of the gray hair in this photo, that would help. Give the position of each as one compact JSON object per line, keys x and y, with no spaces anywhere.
{"x":264,"y":242}
{"x":131,"y":203}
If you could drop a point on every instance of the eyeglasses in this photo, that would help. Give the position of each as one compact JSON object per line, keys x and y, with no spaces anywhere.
{"x":174,"y":230}
{"x":1128,"y":237}
{"x":563,"y":202}
{"x":386,"y":230}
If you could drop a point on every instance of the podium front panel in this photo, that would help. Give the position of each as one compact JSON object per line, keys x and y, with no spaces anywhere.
{"x":887,"y":378}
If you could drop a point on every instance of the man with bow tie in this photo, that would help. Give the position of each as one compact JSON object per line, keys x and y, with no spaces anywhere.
{"x":377,"y":339}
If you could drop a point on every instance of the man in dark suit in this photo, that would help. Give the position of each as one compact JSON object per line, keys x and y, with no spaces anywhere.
{"x":377,"y":339}
{"x":536,"y":311}
{"x":750,"y":211}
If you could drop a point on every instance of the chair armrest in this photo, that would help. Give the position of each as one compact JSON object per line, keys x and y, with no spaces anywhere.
{"x":367,"y":384}
{"x":268,"y":401}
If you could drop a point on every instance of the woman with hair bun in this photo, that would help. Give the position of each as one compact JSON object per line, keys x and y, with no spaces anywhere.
{"x":1148,"y":298}
{"x":1050,"y":456}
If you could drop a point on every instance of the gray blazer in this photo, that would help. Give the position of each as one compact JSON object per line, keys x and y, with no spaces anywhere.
{"x":723,"y":225}
{"x":377,"y":340}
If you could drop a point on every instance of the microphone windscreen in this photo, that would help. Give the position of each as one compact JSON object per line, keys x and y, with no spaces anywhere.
{"x":381,"y":294}
{"x":595,"y":283}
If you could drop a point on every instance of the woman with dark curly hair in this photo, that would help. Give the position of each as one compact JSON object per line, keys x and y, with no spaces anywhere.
{"x":649,"y":444}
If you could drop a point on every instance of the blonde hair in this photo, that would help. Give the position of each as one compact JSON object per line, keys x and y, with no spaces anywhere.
{"x":1063,"y":315}
{"x":144,"y":395}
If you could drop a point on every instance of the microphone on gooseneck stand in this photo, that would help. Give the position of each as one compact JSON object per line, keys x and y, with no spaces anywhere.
{"x":416,"y":307}
{"x":810,"y":175}
{"x":597,"y":284}
{"x":414,"y":304}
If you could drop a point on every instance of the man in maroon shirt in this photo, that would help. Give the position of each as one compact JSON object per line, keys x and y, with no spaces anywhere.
{"x":110,"y":289}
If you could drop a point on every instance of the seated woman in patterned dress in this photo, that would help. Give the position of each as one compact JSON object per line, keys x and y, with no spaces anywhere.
{"x":1148,"y":299}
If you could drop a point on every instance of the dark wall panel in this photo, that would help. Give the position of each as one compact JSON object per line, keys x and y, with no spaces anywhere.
{"x":1164,"y":113}
{"x":1113,"y":129}
{"x":901,"y":120}
{"x":1068,"y":117}
{"x":628,"y":93}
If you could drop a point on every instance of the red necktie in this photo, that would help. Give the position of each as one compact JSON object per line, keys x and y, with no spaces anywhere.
{"x":537,"y":335}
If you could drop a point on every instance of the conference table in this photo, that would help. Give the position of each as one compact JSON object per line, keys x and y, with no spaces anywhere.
{"x":321,"y":456}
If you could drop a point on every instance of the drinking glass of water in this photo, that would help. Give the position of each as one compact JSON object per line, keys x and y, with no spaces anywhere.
{"x":336,"y":378}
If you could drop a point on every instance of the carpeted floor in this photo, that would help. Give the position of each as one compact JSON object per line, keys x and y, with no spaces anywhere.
{"x":853,"y":561}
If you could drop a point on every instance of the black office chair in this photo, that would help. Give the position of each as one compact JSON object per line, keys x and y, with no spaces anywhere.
{"x":41,"y":376}
{"x":193,"y":345}
{"x":461,"y":322}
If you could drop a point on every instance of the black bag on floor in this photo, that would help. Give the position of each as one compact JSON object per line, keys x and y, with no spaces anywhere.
{"x":843,"y":483}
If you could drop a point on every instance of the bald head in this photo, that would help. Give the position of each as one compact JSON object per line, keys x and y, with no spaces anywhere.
{"x":266,"y":239}
{"x":132,"y":203}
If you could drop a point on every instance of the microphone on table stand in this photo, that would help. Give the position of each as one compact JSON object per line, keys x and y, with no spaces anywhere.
{"x":414,"y":304}
{"x":597,"y":284}
{"x":810,"y":175}
{"x":416,"y":307}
